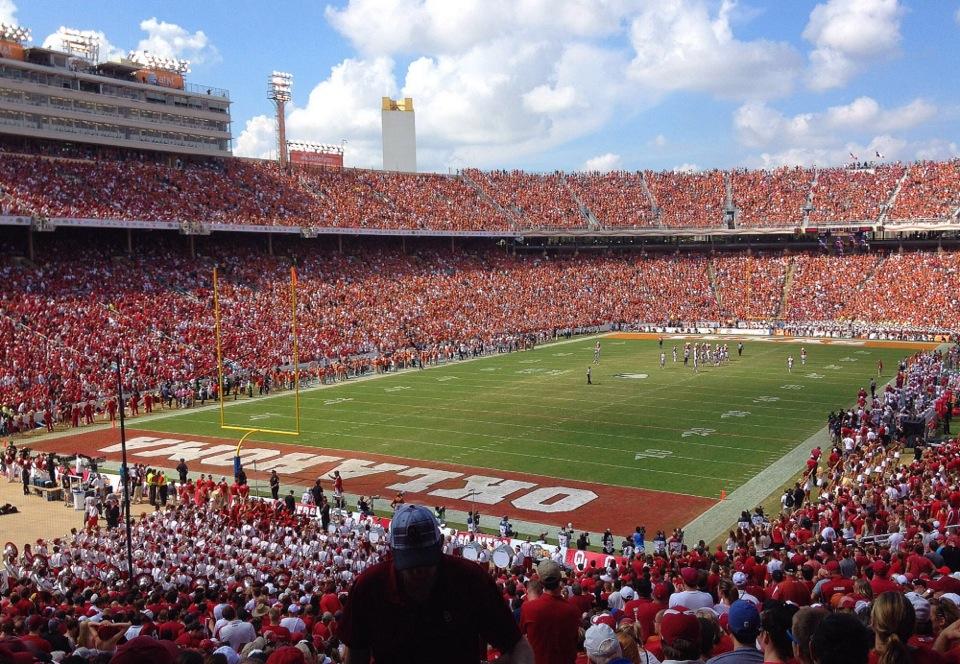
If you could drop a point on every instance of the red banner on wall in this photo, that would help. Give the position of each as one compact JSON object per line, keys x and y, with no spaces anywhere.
{"x":316,"y":159}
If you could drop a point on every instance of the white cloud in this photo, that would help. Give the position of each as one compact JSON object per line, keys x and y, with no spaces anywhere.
{"x":8,"y":12}
{"x":861,"y":127}
{"x":659,"y":141}
{"x":956,"y":17}
{"x":936,"y":149}
{"x":390,"y":27}
{"x":107,"y":50}
{"x":891,"y":148}
{"x":686,"y":168}
{"x":848,"y":36}
{"x":758,"y":125}
{"x":547,"y":99}
{"x":169,"y":40}
{"x":258,"y":138}
{"x":602,"y":163}
{"x":681,"y":45}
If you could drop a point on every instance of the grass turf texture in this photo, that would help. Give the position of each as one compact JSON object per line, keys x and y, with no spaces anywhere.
{"x":672,"y":430}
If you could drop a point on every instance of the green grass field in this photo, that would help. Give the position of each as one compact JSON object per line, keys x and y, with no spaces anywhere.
{"x":671,"y":430}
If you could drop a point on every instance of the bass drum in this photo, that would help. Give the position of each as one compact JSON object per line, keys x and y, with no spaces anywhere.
{"x":502,"y":555}
{"x":472,"y":551}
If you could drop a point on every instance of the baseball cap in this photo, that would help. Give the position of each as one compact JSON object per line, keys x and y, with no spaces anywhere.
{"x":145,"y":649}
{"x":414,"y":537}
{"x":953,"y":598}
{"x":604,"y":619}
{"x":679,"y":623}
{"x":549,"y":572}
{"x":627,"y":593}
{"x":690,"y":576}
{"x":743,"y":617}
{"x":286,"y":655}
{"x":601,"y":641}
{"x":921,"y":607}
{"x":739,"y":579}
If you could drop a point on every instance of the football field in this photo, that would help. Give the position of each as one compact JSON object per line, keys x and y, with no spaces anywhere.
{"x":638,"y":425}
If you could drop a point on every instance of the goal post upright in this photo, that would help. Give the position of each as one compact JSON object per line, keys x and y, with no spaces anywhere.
{"x":218,"y":334}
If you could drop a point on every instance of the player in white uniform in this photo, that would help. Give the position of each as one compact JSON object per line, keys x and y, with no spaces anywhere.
{"x":663,"y":359}
{"x":790,"y":363}
{"x":674,"y":354}
{"x":803,"y":356}
{"x":596,"y":353}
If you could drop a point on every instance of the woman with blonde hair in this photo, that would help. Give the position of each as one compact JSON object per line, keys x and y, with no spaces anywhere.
{"x":893,"y":620}
{"x":631,"y":644}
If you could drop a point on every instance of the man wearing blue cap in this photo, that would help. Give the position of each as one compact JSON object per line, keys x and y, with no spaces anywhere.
{"x":744,"y":627}
{"x":421,"y":606}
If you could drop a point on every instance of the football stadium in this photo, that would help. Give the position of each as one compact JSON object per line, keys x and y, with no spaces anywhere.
{"x":358,"y":395}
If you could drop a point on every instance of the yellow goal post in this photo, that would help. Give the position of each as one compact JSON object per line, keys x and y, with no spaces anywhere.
{"x":248,"y":431}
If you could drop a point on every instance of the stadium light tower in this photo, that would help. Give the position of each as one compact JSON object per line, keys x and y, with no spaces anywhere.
{"x":82,"y":45}
{"x":15,"y":33}
{"x":280,"y":86}
{"x":152,"y":61}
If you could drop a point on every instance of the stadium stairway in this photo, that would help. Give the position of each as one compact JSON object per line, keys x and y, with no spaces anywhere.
{"x":888,"y":206}
{"x":588,"y":216}
{"x":808,"y":205}
{"x":649,"y":195}
{"x":712,"y":278}
{"x":509,"y":213}
{"x":787,"y":283}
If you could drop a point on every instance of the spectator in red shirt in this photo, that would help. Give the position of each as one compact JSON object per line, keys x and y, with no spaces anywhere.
{"x":549,"y":622}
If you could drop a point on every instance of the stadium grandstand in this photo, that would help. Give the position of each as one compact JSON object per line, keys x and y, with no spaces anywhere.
{"x":119,"y":198}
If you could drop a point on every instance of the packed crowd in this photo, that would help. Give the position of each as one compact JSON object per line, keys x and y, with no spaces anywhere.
{"x":234,"y":191}
{"x":537,"y":200}
{"x":377,"y":199}
{"x":688,"y":200}
{"x":915,"y":288}
{"x":842,"y":194}
{"x":749,"y":287}
{"x":381,"y":309}
{"x":930,"y":191}
{"x":240,"y":578}
{"x":618,"y":199}
{"x":771,"y":198}
{"x":823,"y":285}
{"x":241,"y":191}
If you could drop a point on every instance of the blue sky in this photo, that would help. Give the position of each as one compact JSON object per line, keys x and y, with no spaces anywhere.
{"x":569,"y":85}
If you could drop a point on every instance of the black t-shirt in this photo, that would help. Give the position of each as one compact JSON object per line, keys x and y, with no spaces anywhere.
{"x":464,"y":611}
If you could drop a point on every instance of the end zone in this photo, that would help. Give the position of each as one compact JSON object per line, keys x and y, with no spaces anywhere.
{"x":525,"y":496}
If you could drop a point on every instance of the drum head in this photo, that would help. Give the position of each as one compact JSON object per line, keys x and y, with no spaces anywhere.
{"x":472,"y":552}
{"x":502,"y":555}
